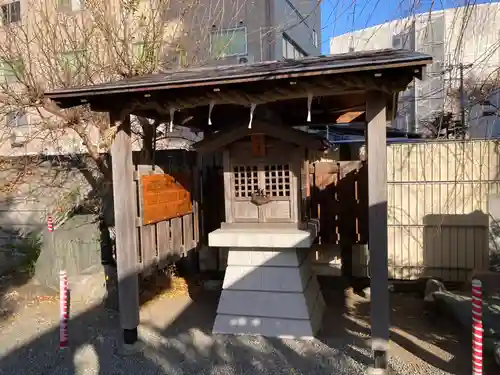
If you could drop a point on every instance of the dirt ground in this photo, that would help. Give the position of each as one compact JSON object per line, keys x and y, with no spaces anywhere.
{"x":178,"y":333}
{"x":417,"y":333}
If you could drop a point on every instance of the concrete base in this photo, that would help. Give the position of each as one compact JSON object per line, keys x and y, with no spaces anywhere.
{"x":271,"y":237}
{"x":270,"y":292}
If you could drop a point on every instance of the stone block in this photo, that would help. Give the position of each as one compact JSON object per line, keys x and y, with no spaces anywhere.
{"x":269,"y":279}
{"x":274,"y":294}
{"x":269,"y":304}
{"x":266,"y":257}
{"x":273,"y":237}
{"x":432,"y":286}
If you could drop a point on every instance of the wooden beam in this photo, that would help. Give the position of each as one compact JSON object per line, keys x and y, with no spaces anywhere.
{"x":288,"y":134}
{"x":125,"y":213}
{"x":377,"y":226}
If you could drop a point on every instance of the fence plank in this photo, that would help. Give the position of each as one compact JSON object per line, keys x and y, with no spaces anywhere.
{"x":176,"y":232}
{"x":196,"y":201}
{"x":147,"y":232}
{"x":187,"y":229}
{"x":163,"y":243}
{"x":148,"y":242}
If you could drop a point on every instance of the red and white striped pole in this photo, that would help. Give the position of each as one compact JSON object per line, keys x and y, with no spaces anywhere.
{"x":63,"y":317}
{"x":477,"y":328}
{"x":50,"y":224}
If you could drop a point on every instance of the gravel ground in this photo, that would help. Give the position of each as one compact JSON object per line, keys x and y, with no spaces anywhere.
{"x":178,"y":341}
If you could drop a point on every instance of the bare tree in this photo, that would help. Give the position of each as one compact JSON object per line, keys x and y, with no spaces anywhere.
{"x":61,"y":44}
{"x":475,"y":89}
{"x":442,"y":125}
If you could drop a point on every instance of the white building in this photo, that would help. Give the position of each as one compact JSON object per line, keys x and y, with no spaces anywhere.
{"x":465,"y":35}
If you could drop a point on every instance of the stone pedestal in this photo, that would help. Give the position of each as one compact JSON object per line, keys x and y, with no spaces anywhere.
{"x":270,"y":292}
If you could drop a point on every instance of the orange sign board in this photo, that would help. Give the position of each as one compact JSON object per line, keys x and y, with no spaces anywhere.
{"x":163,"y":198}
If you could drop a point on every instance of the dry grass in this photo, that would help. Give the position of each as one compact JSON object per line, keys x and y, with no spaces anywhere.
{"x":165,"y":285}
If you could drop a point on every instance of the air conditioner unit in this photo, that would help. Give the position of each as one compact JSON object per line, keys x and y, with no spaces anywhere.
{"x":18,"y":139}
{"x":247,"y":59}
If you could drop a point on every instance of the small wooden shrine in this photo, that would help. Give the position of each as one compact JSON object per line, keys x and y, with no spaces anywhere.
{"x":269,"y":286}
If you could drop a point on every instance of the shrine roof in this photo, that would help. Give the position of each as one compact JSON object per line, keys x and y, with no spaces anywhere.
{"x":245,"y":73}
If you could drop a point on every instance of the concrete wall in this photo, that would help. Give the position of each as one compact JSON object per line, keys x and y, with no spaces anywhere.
{"x":484,"y":120}
{"x":29,"y":191}
{"x":299,"y":29}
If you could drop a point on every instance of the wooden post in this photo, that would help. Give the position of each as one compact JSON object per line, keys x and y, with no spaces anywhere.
{"x":377,"y":227}
{"x":126,"y":231}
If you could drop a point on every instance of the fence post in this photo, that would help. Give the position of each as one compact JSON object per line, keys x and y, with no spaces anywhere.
{"x":477,"y":328}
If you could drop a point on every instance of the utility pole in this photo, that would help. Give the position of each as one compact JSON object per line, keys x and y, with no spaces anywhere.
{"x":461,"y":68}
{"x":462,"y":106}
{"x":462,"y":97}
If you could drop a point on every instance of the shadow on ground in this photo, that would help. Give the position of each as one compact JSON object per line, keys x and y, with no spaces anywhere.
{"x":418,"y":328}
{"x":178,"y":338}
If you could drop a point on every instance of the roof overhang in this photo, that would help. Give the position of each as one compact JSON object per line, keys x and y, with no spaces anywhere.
{"x":346,"y":76}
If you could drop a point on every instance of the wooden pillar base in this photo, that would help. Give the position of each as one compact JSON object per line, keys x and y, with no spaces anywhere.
{"x":380,"y":366}
{"x":130,"y":336}
{"x":380,"y":359}
{"x":132,"y":345}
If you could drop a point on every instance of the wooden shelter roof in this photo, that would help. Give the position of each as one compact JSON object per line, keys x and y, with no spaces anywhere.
{"x":231,"y":87}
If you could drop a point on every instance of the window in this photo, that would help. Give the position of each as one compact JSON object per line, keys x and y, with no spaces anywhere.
{"x":291,"y":50}
{"x":72,"y":61}
{"x":16,"y":119}
{"x":11,"y":71}
{"x":70,"y":5}
{"x":402,"y":40}
{"x":228,"y":42}
{"x":11,"y":12}
{"x":397,"y":42}
{"x":315,"y":38}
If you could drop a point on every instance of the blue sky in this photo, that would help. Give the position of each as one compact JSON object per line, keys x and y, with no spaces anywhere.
{"x":342,"y":16}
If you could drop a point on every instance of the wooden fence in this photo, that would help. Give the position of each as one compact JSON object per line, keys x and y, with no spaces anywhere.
{"x":439,"y":203}
{"x":339,"y":198}
{"x":440,"y":199}
{"x":161,"y":243}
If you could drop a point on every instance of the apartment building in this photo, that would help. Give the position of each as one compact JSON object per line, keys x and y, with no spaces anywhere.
{"x":463,"y":35}
{"x":54,"y":43}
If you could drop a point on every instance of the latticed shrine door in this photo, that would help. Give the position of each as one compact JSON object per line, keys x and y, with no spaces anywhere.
{"x":277,"y":180}
{"x":272,"y":180}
